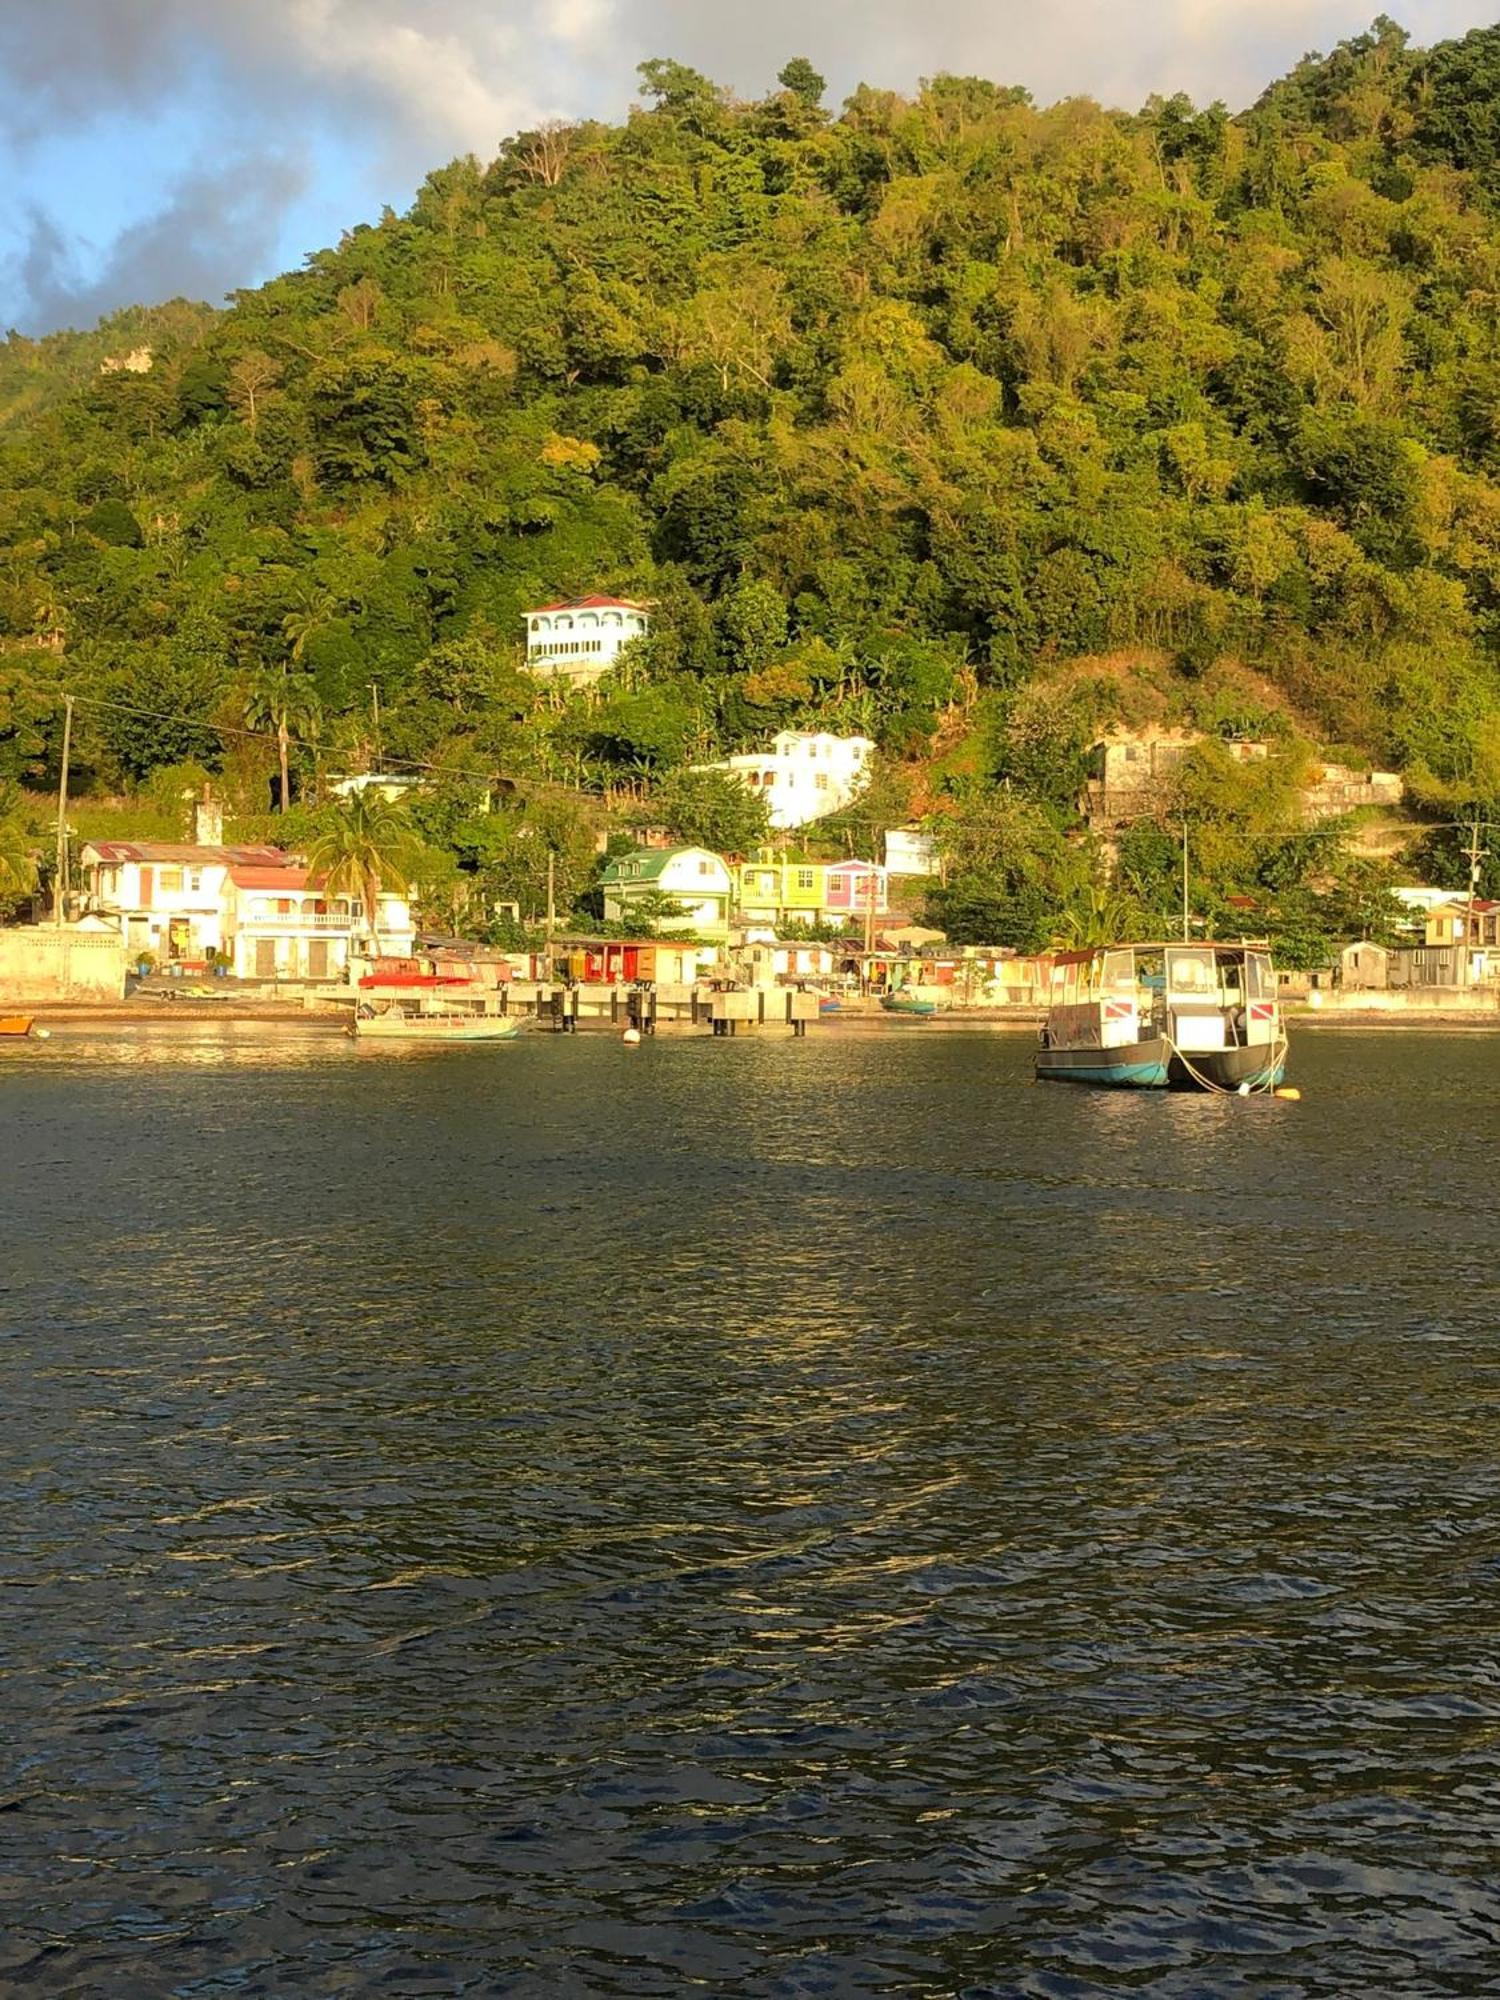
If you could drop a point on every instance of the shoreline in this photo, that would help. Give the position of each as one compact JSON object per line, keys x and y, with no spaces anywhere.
{"x":332,"y":1019}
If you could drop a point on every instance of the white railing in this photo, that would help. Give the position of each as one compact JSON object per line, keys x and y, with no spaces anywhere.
{"x":309,"y":920}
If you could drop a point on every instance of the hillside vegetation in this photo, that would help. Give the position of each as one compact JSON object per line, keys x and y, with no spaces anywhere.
{"x":964,"y":422}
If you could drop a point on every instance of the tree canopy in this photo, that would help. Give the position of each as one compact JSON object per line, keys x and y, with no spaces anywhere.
{"x":963,"y":422}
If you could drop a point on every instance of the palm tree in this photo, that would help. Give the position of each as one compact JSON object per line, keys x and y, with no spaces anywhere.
{"x":1100,"y":916}
{"x":18,"y":869}
{"x":366,"y":844}
{"x":276,"y":698}
{"x":313,"y":610}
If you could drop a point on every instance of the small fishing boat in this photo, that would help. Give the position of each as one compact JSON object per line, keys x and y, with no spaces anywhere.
{"x":914,"y":1001}
{"x":16,"y":1024}
{"x":403,"y":1021}
{"x":1165,"y":1017}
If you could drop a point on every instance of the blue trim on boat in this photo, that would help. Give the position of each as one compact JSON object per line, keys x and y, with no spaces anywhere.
{"x":1138,"y":1076}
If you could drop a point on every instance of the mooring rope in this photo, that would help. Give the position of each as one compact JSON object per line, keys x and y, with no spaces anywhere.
{"x":1265,"y":1082}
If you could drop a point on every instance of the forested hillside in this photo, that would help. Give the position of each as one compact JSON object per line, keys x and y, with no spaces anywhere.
{"x":964,"y":422}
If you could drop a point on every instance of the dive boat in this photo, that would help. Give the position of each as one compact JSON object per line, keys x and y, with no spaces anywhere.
{"x":403,"y":1021}
{"x":1164,"y":1017}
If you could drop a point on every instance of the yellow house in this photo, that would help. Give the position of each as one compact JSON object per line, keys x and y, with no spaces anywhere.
{"x":768,"y":891}
{"x":774,"y":891}
{"x":1449,"y":923}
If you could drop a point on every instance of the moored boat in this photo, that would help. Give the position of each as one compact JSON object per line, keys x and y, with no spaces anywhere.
{"x":1165,"y":1017}
{"x":398,"y":1021}
{"x":910,"y":1000}
{"x":16,"y":1024}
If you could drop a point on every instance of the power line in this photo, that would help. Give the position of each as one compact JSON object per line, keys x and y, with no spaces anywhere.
{"x":488,"y":774}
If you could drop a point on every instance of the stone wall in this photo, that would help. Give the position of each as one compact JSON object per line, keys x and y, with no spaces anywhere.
{"x":38,"y":965}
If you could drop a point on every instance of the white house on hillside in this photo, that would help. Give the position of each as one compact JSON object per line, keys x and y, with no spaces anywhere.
{"x":579,"y":642}
{"x":692,"y":876}
{"x":805,"y":773}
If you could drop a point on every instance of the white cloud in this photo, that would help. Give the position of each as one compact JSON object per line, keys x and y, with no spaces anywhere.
{"x":390,"y":88}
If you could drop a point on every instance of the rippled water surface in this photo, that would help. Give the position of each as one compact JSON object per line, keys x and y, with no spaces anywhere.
{"x":755,"y":1518}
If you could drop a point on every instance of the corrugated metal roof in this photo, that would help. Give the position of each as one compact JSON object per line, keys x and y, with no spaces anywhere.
{"x":185,"y":852}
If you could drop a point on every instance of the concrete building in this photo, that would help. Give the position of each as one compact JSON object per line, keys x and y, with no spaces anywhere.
{"x":1130,"y":773}
{"x":391,"y":785}
{"x":580,"y":640}
{"x":1363,"y":967}
{"x":910,"y":852}
{"x":805,"y":774}
{"x":699,"y":881}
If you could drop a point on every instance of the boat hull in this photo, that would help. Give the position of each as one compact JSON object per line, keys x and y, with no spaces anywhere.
{"x":1261,"y":1066}
{"x":1135,"y":1066}
{"x":437,"y":1033}
{"x":15,"y":1024}
{"x":1157,"y":1065}
{"x":916,"y":1010}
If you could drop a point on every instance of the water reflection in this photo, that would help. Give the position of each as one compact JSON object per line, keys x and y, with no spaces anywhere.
{"x":172,"y":1045}
{"x":775,"y":1517}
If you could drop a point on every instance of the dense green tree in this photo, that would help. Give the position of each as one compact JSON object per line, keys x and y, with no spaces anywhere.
{"x":802,"y":80}
{"x":712,"y":809}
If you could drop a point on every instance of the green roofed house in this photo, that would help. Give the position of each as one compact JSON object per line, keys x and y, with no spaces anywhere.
{"x":692,"y":876}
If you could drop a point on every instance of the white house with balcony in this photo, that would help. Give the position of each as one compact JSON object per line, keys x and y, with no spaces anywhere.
{"x":805,"y":774}
{"x":282,"y":924}
{"x":168,"y":897}
{"x":580,"y":641}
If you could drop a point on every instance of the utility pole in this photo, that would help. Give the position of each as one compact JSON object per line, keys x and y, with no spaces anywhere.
{"x":1186,"y":920}
{"x":375,"y":704}
{"x":60,"y":880}
{"x":1476,"y":854}
{"x":551,"y":905}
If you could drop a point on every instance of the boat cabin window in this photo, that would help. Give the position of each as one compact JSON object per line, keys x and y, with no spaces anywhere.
{"x":1119,"y":975}
{"x":1192,"y":974}
{"x":1070,"y":986}
{"x":1150,"y":974}
{"x":1260,"y":980}
{"x":1232,"y":977}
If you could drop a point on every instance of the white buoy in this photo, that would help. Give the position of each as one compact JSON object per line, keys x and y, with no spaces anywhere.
{"x":42,"y":1034}
{"x":630,"y":1037}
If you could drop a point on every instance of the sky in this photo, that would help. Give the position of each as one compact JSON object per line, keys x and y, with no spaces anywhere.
{"x":152,"y":149}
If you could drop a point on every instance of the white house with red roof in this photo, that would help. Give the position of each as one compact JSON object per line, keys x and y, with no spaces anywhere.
{"x":580,"y":640}
{"x":280,"y":923}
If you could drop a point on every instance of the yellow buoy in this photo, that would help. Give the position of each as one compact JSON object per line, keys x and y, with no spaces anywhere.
{"x":630,"y":1037}
{"x":1292,"y":1095}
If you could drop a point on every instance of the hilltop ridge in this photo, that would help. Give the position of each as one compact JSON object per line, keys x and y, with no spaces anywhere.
{"x":896,"y":414}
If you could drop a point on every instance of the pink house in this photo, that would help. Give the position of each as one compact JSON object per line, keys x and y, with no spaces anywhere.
{"x":853,"y":887}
